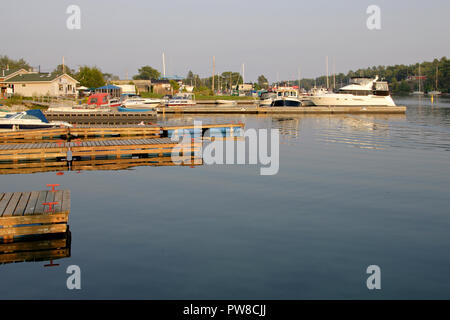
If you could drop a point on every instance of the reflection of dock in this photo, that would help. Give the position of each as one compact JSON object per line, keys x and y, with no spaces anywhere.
{"x":39,"y":248}
{"x":33,"y":213}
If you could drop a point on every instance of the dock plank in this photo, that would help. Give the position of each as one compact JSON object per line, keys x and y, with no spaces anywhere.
{"x":9,"y":210}
{"x":39,"y":208}
{"x":20,"y":209}
{"x":29,"y":210}
{"x":66,"y":201}
{"x":59,"y":198}
{"x":4,"y":202}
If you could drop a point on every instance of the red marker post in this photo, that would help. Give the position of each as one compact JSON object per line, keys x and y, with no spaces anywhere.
{"x":53,"y":187}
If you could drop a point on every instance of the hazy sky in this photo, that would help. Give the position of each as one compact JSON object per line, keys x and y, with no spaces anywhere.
{"x":270,"y":37}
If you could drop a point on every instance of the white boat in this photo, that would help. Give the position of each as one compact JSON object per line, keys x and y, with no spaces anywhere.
{"x":419,"y":92}
{"x":361,"y":92}
{"x":141,"y":103}
{"x":226,"y":102}
{"x":282,"y":97}
{"x":434,"y":93}
{"x":267,"y":98}
{"x":182,"y":100}
{"x":31,"y":119}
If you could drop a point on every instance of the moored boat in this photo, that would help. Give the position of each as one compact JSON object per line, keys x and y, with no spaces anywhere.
{"x":361,"y":92}
{"x":182,"y":100}
{"x":31,"y":119}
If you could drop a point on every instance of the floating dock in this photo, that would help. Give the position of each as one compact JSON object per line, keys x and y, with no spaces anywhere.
{"x":100,"y":116}
{"x":253,"y":109}
{"x":92,"y":149}
{"x":33,"y":213}
{"x":102,"y":131}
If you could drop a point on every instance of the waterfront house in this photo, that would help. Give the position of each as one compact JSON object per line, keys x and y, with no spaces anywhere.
{"x":5,"y":74}
{"x":43,"y":84}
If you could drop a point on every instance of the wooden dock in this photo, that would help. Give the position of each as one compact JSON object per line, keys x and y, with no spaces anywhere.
{"x":253,"y":109}
{"x":92,"y":149}
{"x":102,"y":131}
{"x":100,"y":116}
{"x":33,"y":213}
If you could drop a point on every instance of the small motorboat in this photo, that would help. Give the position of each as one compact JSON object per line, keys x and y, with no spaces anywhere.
{"x":286,"y":102}
{"x":226,"y":102}
{"x":137,"y":102}
{"x":31,"y":119}
{"x":182,"y":100}
{"x":132,"y":109}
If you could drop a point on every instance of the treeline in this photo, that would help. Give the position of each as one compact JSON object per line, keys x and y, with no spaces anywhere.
{"x":90,"y":77}
{"x":400,"y":77}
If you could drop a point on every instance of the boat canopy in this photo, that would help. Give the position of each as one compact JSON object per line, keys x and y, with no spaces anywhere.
{"x":38,"y":114}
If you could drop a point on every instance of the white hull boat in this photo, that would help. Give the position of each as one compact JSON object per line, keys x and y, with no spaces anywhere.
{"x":362,"y":92}
{"x":31,"y":119}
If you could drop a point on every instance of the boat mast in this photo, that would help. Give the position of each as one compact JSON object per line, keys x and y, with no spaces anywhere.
{"x":214,"y":72}
{"x":328,"y":83}
{"x":164,"y":65}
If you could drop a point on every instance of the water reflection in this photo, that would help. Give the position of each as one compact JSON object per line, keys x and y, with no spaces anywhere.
{"x":37,"y":248}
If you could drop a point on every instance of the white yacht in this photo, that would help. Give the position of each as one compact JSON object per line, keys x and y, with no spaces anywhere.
{"x":31,"y":119}
{"x":141,"y":103}
{"x":361,"y":92}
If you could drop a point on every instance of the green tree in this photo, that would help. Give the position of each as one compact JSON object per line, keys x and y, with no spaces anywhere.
{"x":59,"y":70}
{"x":262,"y":82}
{"x":90,"y":77}
{"x":147,"y":73}
{"x":174,"y":85}
{"x":6,"y":62}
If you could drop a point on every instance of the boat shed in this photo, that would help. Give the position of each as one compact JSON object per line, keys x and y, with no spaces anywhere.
{"x":112,"y":90}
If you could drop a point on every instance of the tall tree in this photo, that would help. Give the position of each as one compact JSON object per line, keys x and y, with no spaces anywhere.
{"x":59,"y":70}
{"x":147,"y":73}
{"x":262,"y":81}
{"x":6,"y":62}
{"x":90,"y":77}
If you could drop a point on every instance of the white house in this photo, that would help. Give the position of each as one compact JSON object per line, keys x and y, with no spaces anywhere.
{"x":43,"y":84}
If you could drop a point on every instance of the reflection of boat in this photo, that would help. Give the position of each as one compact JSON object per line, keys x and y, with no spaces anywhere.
{"x":38,"y":248}
{"x":31,"y":119}
{"x":361,"y":92}
{"x":182,"y":100}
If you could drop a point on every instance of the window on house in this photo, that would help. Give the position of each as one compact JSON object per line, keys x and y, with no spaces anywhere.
{"x":61,"y":87}
{"x":23,"y":85}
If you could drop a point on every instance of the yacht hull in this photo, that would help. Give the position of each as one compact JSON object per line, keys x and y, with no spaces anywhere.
{"x":351,"y":100}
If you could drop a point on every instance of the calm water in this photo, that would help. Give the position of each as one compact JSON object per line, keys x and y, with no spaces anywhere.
{"x":352,"y":191}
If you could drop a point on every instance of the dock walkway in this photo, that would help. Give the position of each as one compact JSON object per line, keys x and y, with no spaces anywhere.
{"x":33,"y":213}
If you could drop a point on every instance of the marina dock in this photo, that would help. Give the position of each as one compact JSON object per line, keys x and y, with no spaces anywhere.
{"x":254,"y":109}
{"x":33,"y":213}
{"x":91,"y":149}
{"x":102,"y":131}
